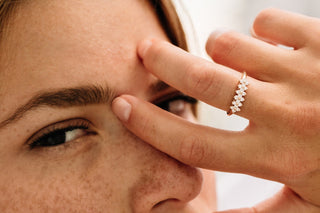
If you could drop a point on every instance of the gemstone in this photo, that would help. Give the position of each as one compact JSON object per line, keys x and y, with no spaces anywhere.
{"x":241,"y":92}
{"x":234,"y":109}
{"x":243,"y":87}
{"x":244,"y":82}
{"x":237,"y":103}
{"x":239,"y":98}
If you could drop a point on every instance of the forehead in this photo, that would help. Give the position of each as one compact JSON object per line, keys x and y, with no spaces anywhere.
{"x":64,"y":43}
{"x":71,"y":25}
{"x":81,"y":16}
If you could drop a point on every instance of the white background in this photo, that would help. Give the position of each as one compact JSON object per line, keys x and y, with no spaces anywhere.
{"x":234,"y":190}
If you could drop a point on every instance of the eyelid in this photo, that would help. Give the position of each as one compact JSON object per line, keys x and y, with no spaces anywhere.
{"x":57,"y":126}
{"x":176,"y":95}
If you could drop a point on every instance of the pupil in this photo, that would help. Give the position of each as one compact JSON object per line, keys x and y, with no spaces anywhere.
{"x":164,"y":106}
{"x":56,"y":138}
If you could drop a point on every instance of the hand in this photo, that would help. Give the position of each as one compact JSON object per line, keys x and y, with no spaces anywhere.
{"x":282,"y":141}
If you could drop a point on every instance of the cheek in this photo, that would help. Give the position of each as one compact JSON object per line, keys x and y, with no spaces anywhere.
{"x":101,"y":178}
{"x":56,"y":194}
{"x":88,"y":182}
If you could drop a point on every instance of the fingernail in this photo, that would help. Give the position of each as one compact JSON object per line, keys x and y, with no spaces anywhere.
{"x":143,"y":47}
{"x":122,"y":109}
{"x":218,"y":32}
{"x":213,"y":36}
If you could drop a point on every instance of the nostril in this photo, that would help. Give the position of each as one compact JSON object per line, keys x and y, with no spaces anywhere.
{"x":172,"y":186}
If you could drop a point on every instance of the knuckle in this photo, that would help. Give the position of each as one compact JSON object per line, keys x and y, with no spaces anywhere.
{"x":201,"y":79}
{"x":304,"y":120}
{"x":281,"y":171}
{"x":296,"y":162}
{"x":193,"y":150}
{"x":295,"y":165}
{"x":298,"y":158}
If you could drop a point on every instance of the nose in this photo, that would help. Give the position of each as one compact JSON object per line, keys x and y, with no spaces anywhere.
{"x":168,"y":185}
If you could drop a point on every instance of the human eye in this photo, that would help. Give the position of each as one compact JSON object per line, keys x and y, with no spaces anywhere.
{"x":178,"y":104}
{"x":60,"y":133}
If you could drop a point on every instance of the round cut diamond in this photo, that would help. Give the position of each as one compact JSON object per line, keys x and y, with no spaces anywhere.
{"x":235,"y":109}
{"x":237,"y":103}
{"x":241,"y":92}
{"x":243,"y":87}
{"x":239,"y":98}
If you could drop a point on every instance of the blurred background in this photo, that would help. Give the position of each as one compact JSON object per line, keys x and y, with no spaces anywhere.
{"x":234,"y":190}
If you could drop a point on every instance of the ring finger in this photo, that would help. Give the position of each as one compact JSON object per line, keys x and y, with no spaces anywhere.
{"x":259,"y":59}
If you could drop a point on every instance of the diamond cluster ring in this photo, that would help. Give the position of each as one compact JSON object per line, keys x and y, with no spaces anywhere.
{"x":238,"y":99}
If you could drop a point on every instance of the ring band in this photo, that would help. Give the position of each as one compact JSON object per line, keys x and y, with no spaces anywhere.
{"x":238,"y":99}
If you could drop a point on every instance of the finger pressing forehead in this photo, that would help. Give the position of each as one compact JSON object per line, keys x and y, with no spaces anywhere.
{"x":192,"y":75}
{"x":207,"y":81}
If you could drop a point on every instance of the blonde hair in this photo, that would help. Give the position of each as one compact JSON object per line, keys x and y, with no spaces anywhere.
{"x":164,"y":9}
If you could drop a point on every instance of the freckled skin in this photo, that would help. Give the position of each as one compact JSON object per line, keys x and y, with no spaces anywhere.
{"x":65,"y":43}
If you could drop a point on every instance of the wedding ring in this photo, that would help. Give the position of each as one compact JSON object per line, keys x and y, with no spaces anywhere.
{"x":238,"y":99}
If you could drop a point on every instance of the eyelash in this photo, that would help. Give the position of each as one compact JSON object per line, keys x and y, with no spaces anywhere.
{"x":164,"y":103}
{"x":38,"y":140}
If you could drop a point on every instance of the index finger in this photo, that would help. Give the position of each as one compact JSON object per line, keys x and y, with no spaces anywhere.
{"x":191,"y":143}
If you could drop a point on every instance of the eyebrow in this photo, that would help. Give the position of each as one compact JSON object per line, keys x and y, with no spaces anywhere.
{"x":63,"y":98}
{"x":71,"y":97}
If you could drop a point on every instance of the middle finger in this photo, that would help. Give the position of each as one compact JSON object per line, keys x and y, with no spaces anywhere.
{"x":207,"y":81}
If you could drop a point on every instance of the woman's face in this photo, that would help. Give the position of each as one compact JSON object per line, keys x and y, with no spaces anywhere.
{"x":61,"y":147}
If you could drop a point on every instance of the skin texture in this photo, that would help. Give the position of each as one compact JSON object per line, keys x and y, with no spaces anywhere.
{"x":281,"y":142}
{"x":57,"y":44}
